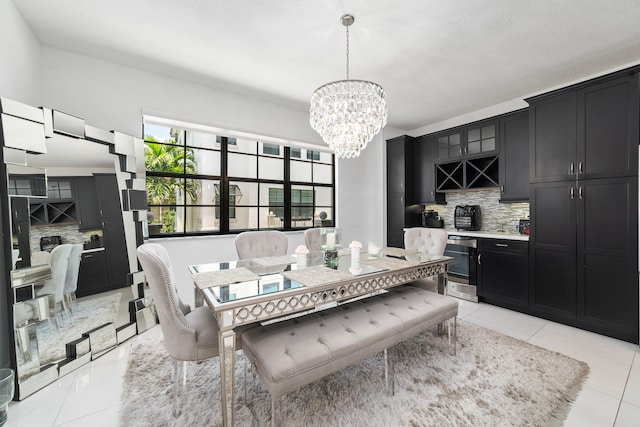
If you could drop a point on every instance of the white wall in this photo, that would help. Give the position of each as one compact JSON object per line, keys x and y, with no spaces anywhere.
{"x":361,"y":194}
{"x":113,"y":96}
{"x":20,"y":53}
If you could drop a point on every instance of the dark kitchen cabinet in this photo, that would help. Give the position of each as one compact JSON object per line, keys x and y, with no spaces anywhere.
{"x":112,"y":230}
{"x":474,"y":139}
{"x":584,"y":263}
{"x":424,"y":172}
{"x":469,"y":174}
{"x":400,"y":164}
{"x":607,"y":256}
{"x":552,"y":245}
{"x":92,"y":276}
{"x":395,"y":220}
{"x":503,"y":272}
{"x":584,"y":132}
{"x":89,"y":216}
{"x":20,"y":230}
{"x":59,"y":207}
{"x":402,"y":211}
{"x":514,"y":157}
{"x":449,"y":144}
{"x":584,"y":205}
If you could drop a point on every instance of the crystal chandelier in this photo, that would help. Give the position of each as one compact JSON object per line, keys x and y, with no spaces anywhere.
{"x":348,"y":113}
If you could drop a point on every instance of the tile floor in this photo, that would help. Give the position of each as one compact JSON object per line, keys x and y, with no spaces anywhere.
{"x":610,"y":396}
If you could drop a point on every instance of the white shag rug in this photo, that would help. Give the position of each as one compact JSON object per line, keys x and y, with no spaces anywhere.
{"x":494,"y":380}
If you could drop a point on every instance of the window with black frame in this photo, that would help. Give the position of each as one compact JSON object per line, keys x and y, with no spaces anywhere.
{"x":200,"y":182}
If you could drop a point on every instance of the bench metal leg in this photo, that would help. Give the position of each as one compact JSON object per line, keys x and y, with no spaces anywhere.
{"x":276,"y":412}
{"x":389,"y":370}
{"x":453,"y":335}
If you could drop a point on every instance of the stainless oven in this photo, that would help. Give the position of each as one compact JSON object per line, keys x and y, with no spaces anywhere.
{"x":462,"y":270}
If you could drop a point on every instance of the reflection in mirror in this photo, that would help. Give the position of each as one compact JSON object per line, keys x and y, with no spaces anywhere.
{"x":26,"y":181}
{"x":69,"y":281}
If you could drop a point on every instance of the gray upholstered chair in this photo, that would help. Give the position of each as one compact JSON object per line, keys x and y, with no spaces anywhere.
{"x":189,"y":335}
{"x":427,"y":240}
{"x":71,"y":279}
{"x":55,"y":286}
{"x":313,"y":240}
{"x":258,"y":244}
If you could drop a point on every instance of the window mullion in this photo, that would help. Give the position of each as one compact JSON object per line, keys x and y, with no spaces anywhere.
{"x":224,"y":186}
{"x":287,"y":188}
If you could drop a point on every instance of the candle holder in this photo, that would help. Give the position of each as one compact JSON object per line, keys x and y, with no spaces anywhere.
{"x":330,"y":237}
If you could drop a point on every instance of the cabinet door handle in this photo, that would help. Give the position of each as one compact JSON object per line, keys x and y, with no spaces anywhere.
{"x":580,"y":168}
{"x":502,"y":245}
{"x":580,"y":193}
{"x":572,"y":192}
{"x":502,"y":188}
{"x":402,"y":200}
{"x":460,"y":150}
{"x":431,"y":193}
{"x":571,"y":168}
{"x":479,"y":259}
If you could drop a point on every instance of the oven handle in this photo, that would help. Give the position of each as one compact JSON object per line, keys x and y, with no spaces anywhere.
{"x":468,"y":243}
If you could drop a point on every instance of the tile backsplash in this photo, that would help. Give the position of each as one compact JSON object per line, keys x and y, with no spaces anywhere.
{"x":68,"y":232}
{"x":496,"y":216}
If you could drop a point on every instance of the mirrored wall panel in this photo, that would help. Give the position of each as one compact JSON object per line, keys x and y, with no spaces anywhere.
{"x":72,"y":293}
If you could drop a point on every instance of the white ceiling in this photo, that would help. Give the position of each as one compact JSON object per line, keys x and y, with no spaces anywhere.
{"x":436,"y":59}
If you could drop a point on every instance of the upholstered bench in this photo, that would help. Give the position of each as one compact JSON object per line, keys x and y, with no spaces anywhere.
{"x":295,"y":352}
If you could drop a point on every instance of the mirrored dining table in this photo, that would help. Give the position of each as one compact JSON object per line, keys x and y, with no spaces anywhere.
{"x":264,"y":290}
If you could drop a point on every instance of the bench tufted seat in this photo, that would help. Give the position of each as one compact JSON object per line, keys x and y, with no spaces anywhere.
{"x":290,"y":354}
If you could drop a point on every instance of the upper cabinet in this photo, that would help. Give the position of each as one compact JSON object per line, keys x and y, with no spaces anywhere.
{"x":59,"y":207}
{"x":424,"y":168}
{"x":402,"y":209}
{"x":399,"y":164}
{"x":89,"y":215}
{"x":475,"y":139}
{"x":514,"y":157}
{"x":586,"y":131}
{"x":467,"y":157}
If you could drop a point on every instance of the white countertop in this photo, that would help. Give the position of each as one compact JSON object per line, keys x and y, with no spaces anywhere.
{"x":489,"y":234}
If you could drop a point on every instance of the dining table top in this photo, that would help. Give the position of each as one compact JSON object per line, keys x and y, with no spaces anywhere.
{"x":235,"y":283}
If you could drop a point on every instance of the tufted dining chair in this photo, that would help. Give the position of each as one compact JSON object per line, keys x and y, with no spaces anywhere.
{"x":71,"y":279}
{"x":189,"y":335}
{"x":426,"y":240}
{"x":313,"y":239}
{"x":54,"y":287}
{"x":258,"y":244}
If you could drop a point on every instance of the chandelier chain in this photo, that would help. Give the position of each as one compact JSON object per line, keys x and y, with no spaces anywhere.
{"x":347,"y":53}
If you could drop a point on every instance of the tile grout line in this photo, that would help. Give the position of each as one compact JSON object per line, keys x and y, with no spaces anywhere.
{"x":626,"y":383}
{"x":545,"y":323}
